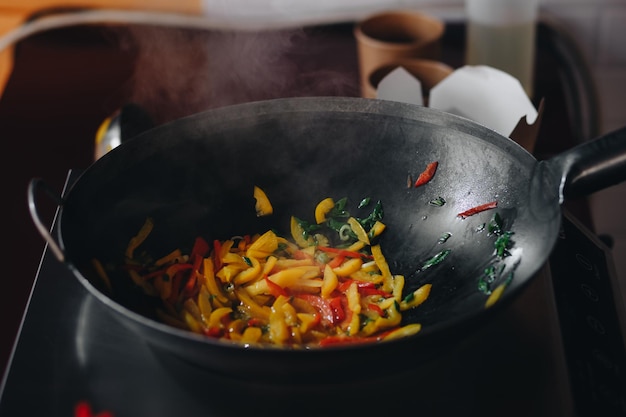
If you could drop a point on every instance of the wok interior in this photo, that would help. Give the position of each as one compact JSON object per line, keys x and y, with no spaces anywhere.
{"x":195,"y":177}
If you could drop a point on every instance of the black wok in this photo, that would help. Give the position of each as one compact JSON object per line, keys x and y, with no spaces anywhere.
{"x":195,"y":177}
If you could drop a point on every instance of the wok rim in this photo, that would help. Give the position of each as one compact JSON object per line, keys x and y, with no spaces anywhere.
{"x":328,"y":105}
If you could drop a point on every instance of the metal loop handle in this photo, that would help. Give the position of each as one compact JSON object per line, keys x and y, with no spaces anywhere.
{"x":34,"y":185}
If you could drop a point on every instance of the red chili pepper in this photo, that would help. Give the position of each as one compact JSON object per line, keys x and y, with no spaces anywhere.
{"x":427,"y":175}
{"x":346,"y":253}
{"x":478,"y":209}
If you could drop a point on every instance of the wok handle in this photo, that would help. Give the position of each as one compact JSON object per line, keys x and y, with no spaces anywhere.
{"x":35,"y":185}
{"x":593,"y":165}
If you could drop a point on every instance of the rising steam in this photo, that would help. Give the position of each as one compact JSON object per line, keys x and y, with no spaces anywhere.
{"x":181,"y":72}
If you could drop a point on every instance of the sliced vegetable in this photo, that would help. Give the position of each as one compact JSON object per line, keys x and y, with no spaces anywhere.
{"x":323,"y":208}
{"x":263,"y":205}
{"x":478,"y":209}
{"x":264,"y":288}
{"x":427,"y":174}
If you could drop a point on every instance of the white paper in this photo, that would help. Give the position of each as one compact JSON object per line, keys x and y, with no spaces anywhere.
{"x":486,"y":95}
{"x":400,"y":85}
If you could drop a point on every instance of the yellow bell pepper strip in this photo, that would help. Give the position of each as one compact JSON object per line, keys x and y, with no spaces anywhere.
{"x":354,"y":304}
{"x":381,"y":261}
{"x":141,"y":236}
{"x":263,"y":206}
{"x":263,"y":246}
{"x":322,"y":209}
{"x":298,"y":234}
{"x":279,"y":331}
{"x":495,"y":295}
{"x":204,"y":303}
{"x":173,"y":256}
{"x":358,"y":230}
{"x":102,"y":273}
{"x":415,"y":298}
{"x":208,"y":274}
{"x":349,"y":267}
{"x":329,"y":283}
{"x":404,"y":331}
{"x":249,"y":274}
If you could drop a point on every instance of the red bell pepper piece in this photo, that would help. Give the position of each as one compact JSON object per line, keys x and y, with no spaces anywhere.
{"x":200,"y":248}
{"x":478,"y":209}
{"x":427,"y":174}
{"x":365,"y":288}
{"x":338,"y":311}
{"x":275,"y":289}
{"x":217,"y":250}
{"x":213,"y":332}
{"x":336,"y":261}
{"x":376,"y":308}
{"x":190,"y":286}
{"x":345,"y":340}
{"x":346,"y":253}
{"x":321,"y":305}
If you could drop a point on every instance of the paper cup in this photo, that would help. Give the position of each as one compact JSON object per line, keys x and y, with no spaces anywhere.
{"x":428,"y":72}
{"x":389,"y":37}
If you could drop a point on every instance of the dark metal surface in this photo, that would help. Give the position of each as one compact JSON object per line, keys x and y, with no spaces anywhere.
{"x":301,"y":151}
{"x":92,"y":72}
{"x":70,"y":349}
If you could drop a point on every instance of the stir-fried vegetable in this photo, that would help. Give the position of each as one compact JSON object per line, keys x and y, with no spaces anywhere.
{"x":329,"y":284}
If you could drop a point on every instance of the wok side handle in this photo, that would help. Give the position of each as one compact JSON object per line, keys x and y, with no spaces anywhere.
{"x":35,"y":185}
{"x":593,"y":165}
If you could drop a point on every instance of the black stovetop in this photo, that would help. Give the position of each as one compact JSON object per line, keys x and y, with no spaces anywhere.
{"x":543,"y":356}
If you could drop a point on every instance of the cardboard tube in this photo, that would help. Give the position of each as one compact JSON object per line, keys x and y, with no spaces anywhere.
{"x":388,"y":37}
